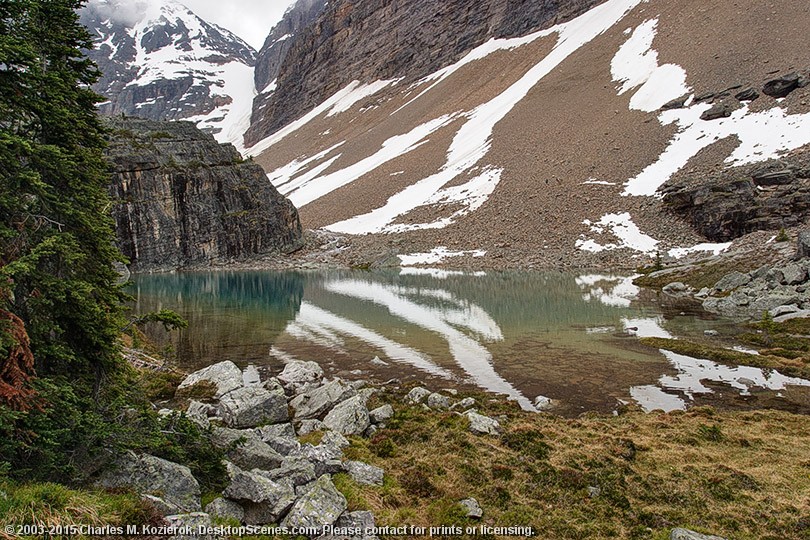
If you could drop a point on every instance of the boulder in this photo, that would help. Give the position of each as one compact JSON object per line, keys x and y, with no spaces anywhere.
{"x":793,"y":274}
{"x":803,"y":245}
{"x":438,"y":401}
{"x":472,"y":508}
{"x":677,"y":103}
{"x":417,"y":395}
{"x":298,"y":373}
{"x":321,"y":505}
{"x":686,"y":534}
{"x":801,"y":314}
{"x":315,"y":402}
{"x":150,"y":475}
{"x":329,"y":466}
{"x":293,"y":471}
{"x":283,"y":445}
{"x":749,"y":94}
{"x":192,"y":523}
{"x":263,"y":500}
{"x":349,"y":417}
{"x":225,"y":376}
{"x":250,"y":406}
{"x":732,"y":281}
{"x":224,"y":508}
{"x":783,"y":310}
{"x":365,"y":474}
{"x":330,"y":447}
{"x":308,"y":426}
{"x":165,"y":508}
{"x":381,"y":414}
{"x":482,"y":425}
{"x":285,"y":430}
{"x":464,"y":404}
{"x":722,"y":109}
{"x":198,"y":412}
{"x":245,"y":448}
{"x":781,"y":87}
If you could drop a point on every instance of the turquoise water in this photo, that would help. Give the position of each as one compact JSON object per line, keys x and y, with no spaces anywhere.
{"x":537,"y":337}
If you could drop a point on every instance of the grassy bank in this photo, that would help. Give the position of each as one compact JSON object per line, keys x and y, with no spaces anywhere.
{"x":738,"y":475}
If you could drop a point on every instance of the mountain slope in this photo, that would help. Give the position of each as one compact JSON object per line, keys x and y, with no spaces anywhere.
{"x":549,"y":149}
{"x":160,"y":61}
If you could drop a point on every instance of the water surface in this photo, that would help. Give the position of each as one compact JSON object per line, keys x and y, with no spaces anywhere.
{"x":534,"y":336}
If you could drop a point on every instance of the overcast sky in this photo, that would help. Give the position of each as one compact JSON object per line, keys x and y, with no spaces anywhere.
{"x":251,"y":20}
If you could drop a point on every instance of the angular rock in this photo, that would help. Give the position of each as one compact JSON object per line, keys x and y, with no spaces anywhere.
{"x":365,"y":474}
{"x":245,"y":449}
{"x":314,"y":403}
{"x":801,"y":314}
{"x":483,"y":425}
{"x":472,"y":508}
{"x":197,"y":412}
{"x":226,"y":376}
{"x":381,"y":414}
{"x":676,"y":288}
{"x":154,"y":476}
{"x":309,"y":426}
{"x":283,"y":445}
{"x":330,"y":447}
{"x":781,"y":87}
{"x":732,"y":281}
{"x":464,"y":404}
{"x":417,"y":395}
{"x":677,"y":103}
{"x":321,"y":505}
{"x":263,"y":500}
{"x":793,"y":274}
{"x":438,"y":401}
{"x":329,"y":466}
{"x":349,"y":417}
{"x":266,"y":513}
{"x":251,"y":406}
{"x":293,"y":471}
{"x":783,"y":310}
{"x":749,"y":94}
{"x":361,"y":520}
{"x":298,"y":373}
{"x":225,"y":508}
{"x":686,"y":534}
{"x":803,"y":245}
{"x":721,"y":109}
{"x":285,"y":430}
{"x":192,"y":522}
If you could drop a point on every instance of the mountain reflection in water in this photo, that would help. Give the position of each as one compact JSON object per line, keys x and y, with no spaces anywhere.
{"x":528,"y":335}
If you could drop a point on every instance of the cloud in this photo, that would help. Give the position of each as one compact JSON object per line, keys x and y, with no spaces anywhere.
{"x":118,"y":12}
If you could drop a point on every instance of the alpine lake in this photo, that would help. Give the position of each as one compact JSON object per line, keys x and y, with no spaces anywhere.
{"x":556,"y":341}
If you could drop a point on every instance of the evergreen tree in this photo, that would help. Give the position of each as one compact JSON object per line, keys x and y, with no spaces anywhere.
{"x":57,"y":282}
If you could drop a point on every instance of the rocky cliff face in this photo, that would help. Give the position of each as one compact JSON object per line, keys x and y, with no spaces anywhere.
{"x":160,"y":61}
{"x":184,"y":199}
{"x":385,"y":39}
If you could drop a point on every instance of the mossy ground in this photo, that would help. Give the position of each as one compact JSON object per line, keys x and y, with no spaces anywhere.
{"x":742,"y":475}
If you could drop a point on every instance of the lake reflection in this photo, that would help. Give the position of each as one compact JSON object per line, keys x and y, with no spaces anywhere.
{"x":530,"y":336}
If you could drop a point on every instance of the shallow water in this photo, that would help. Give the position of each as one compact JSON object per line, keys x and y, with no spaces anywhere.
{"x":534,"y":336}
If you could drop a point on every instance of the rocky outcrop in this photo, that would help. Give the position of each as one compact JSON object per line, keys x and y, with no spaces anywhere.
{"x":384,"y":39}
{"x":183,"y":199}
{"x":727,"y":203}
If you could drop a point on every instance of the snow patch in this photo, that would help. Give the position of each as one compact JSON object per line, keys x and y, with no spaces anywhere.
{"x":436,"y":255}
{"x":715,"y":249}
{"x":622,"y":227}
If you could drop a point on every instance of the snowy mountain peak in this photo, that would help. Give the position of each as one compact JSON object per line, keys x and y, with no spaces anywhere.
{"x":161,"y":61}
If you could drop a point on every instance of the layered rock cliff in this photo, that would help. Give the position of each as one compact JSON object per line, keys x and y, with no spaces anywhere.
{"x":184,"y":199}
{"x":385,"y":39}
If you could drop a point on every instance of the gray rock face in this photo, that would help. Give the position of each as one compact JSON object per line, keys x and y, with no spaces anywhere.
{"x":363,"y":473}
{"x":157,"y":477}
{"x":349,"y":417}
{"x":293,"y":471}
{"x":285,"y":430}
{"x":250,"y":406}
{"x":686,"y":534}
{"x":803,"y":245}
{"x":417,"y":395}
{"x":473,"y":508}
{"x":321,"y":505}
{"x":793,"y":274}
{"x":192,"y":522}
{"x":438,"y":401}
{"x":250,"y":453}
{"x":198,"y":413}
{"x":732,"y":281}
{"x":309,"y":426}
{"x":726,"y":204}
{"x":377,"y":39}
{"x":298,"y":373}
{"x":252,"y":487}
{"x":225,"y":508}
{"x":483,"y":425}
{"x":381,"y":414}
{"x":185,"y":199}
{"x":782,"y":86}
{"x":315,"y":402}
{"x":226,"y":376}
